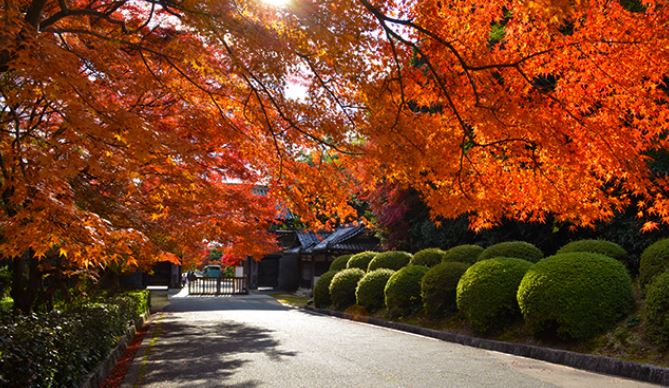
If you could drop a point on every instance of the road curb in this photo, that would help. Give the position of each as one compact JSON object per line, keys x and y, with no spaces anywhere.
{"x":98,"y":376}
{"x":599,"y":364}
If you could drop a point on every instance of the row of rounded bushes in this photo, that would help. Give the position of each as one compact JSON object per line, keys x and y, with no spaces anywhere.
{"x":582,"y":290}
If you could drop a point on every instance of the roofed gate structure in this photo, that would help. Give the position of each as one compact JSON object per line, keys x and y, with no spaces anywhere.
{"x":308,"y":254}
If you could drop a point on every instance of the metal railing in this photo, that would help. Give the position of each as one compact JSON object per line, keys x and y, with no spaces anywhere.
{"x":218,"y":286}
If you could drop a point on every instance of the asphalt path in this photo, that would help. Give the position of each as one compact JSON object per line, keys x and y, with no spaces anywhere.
{"x":253,"y":341}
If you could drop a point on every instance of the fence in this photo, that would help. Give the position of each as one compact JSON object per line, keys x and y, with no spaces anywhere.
{"x":218,"y":286}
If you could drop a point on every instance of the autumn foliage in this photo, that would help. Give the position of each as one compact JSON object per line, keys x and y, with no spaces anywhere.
{"x":131,"y":131}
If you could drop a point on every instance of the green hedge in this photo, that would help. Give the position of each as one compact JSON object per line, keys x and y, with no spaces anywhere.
{"x":392,"y":260}
{"x":486,"y":292}
{"x":575,"y":295}
{"x":656,"y":313}
{"x":463,"y":253}
{"x":428,"y":257}
{"x":343,"y":285}
{"x":517,"y":249}
{"x":339,"y":263}
{"x":322,"y":290}
{"x":402,"y":292}
{"x":438,"y":286}
{"x":654,"y":261}
{"x":361,"y":260}
{"x":60,"y":348}
{"x":604,"y":247}
{"x":369,"y":293}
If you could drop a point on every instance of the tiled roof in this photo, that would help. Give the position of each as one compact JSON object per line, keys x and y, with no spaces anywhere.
{"x":338,"y":236}
{"x":355,"y":247}
{"x":339,"y":240}
{"x":308,"y":239}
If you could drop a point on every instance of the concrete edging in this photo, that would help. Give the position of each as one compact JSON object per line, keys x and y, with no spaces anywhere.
{"x":588,"y":362}
{"x":98,"y":376}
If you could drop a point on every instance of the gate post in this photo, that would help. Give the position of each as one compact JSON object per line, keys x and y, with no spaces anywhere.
{"x":218,"y":285}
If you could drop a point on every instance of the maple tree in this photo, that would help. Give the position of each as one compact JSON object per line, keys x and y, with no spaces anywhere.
{"x":132,"y":130}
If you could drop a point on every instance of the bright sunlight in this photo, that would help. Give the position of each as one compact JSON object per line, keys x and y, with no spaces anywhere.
{"x":276,"y":3}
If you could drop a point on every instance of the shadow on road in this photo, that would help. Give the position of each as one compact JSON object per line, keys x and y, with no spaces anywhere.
{"x":206,"y":352}
{"x":221,"y":303}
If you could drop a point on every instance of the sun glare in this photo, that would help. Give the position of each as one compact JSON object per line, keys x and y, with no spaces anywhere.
{"x":276,"y":3}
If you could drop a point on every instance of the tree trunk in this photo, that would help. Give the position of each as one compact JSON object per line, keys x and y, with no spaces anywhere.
{"x":26,"y":282}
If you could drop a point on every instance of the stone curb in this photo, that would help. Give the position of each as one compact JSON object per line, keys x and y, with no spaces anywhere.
{"x":98,"y":376}
{"x":599,"y":364}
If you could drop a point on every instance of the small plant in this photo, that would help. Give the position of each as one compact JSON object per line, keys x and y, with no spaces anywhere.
{"x":369,"y":293}
{"x":392,"y":260}
{"x":575,"y":295}
{"x":463,"y":253}
{"x":339,"y":263}
{"x":322,"y":290}
{"x":517,"y":249}
{"x":486,"y":292}
{"x":428,"y":257}
{"x":439,"y":286}
{"x":402,"y":292}
{"x":361,"y":260}
{"x":343,"y":286}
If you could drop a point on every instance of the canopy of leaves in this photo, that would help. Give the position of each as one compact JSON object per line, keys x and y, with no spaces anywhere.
{"x":130,"y":131}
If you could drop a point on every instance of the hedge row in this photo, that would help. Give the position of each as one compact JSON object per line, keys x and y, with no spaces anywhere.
{"x":60,"y":348}
{"x":587,"y":279}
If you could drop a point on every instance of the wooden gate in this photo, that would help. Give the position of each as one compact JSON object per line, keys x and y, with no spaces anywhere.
{"x":218,"y":286}
{"x":268,"y":271}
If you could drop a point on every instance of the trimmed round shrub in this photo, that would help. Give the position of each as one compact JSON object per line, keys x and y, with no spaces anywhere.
{"x":654,"y":261}
{"x":394,"y":260}
{"x":575,"y":295}
{"x":438,"y":286}
{"x":369,"y":293}
{"x":402,"y":292}
{"x":463,"y":253}
{"x":606,"y":248}
{"x":361,"y":260}
{"x":486,"y":292}
{"x":516,"y":249}
{"x":656,"y":313}
{"x":428,"y":257}
{"x":322,"y":290}
{"x":339,"y":263}
{"x":343,"y":285}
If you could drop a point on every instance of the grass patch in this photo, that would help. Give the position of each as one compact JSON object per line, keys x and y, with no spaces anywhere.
{"x":290,"y":300}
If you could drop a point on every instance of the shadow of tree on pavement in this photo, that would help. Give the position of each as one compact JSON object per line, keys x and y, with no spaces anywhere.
{"x":206,"y":353}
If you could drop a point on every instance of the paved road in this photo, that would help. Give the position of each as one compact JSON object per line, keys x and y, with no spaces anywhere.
{"x":253,"y":341}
